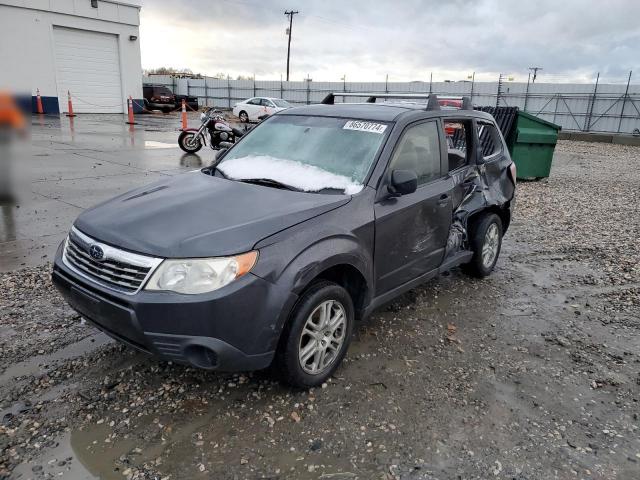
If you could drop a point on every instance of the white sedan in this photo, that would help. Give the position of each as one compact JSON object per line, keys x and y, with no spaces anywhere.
{"x":253,"y":108}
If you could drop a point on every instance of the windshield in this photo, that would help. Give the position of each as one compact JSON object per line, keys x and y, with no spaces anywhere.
{"x":281,"y":103}
{"x":307,"y":153}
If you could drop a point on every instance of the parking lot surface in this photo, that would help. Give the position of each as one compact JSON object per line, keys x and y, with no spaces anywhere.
{"x":532,"y":373}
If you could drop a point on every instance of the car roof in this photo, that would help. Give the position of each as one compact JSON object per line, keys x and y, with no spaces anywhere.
{"x":382,"y":112}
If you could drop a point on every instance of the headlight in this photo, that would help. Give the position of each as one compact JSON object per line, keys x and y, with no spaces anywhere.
{"x":200,"y":275}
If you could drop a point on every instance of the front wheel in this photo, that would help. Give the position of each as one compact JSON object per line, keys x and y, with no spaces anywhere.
{"x":244,"y":117}
{"x":485,"y":242}
{"x":190,"y":142}
{"x":316,"y":338}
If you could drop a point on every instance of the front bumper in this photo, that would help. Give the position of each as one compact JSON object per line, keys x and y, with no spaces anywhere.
{"x":235,"y":328}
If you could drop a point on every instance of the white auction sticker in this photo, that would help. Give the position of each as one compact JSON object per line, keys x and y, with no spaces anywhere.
{"x":365,"y":126}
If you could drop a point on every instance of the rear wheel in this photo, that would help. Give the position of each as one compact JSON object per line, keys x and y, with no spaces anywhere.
{"x":243,"y":116}
{"x":316,"y":338}
{"x":485,"y":242}
{"x":190,"y":142}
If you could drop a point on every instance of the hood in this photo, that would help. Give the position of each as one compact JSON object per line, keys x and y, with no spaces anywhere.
{"x":197,"y":215}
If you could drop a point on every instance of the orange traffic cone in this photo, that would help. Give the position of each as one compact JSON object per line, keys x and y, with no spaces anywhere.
{"x":70,"y":113}
{"x":130,"y":111}
{"x":39,"y":101}
{"x":184,"y":115}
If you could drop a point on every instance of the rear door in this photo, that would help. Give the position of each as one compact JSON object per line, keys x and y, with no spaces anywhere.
{"x":253,"y":107}
{"x":411,"y":230}
{"x":494,"y":160}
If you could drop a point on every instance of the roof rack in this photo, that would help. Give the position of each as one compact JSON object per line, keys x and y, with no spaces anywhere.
{"x":434,"y":102}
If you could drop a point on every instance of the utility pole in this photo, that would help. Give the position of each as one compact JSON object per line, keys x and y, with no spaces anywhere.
{"x":290,"y":14}
{"x":535,"y":73}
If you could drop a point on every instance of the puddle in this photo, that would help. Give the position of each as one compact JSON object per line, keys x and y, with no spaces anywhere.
{"x":60,"y":463}
{"x":40,"y":363}
{"x":154,"y":144}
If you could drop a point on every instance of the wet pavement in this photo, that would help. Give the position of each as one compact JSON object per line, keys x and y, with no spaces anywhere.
{"x":532,"y":373}
{"x":74,"y":163}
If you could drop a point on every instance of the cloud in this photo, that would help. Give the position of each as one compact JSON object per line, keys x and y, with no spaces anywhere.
{"x":406,"y":39}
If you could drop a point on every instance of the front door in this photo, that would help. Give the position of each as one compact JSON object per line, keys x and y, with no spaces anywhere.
{"x":411,"y":230}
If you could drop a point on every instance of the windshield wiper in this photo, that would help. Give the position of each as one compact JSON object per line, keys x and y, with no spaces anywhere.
{"x":267,"y":182}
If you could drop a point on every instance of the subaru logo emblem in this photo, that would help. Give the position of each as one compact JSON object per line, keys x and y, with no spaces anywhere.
{"x":96,"y":252}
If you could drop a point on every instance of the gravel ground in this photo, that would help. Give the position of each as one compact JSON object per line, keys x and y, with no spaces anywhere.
{"x":532,"y":373}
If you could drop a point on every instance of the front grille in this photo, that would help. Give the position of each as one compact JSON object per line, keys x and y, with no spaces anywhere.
{"x":117,"y":269}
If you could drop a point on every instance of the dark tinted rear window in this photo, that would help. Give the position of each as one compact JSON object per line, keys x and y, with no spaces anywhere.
{"x":162,"y":91}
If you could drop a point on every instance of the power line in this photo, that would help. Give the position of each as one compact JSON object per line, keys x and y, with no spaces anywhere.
{"x":290,"y":14}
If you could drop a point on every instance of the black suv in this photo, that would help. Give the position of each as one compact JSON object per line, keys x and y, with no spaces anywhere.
{"x":316,"y":217}
{"x":158,"y":97}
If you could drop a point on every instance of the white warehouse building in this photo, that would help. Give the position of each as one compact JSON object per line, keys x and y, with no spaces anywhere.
{"x":89,"y":48}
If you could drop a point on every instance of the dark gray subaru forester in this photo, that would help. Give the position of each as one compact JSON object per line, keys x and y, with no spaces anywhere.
{"x":316,"y":217}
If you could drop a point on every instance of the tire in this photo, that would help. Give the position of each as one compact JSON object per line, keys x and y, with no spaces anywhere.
{"x":486,"y":236}
{"x":311,"y":308}
{"x":189,"y":143}
{"x":243,"y":116}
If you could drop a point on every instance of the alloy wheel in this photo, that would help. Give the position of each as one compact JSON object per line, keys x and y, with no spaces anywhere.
{"x":491,"y":245}
{"x":322,"y":337}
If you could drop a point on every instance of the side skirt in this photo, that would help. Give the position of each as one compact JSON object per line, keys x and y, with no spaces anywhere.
{"x":457,"y":259}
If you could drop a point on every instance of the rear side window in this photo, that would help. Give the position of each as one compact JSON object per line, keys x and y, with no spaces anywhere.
{"x":490,"y":140}
{"x":419,"y":151}
{"x":254,"y":101}
{"x":458,"y":142}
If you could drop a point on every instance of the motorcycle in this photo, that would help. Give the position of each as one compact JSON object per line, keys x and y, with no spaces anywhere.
{"x":214,"y":125}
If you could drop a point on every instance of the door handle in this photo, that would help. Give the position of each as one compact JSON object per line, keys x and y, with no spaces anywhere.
{"x":443,"y":200}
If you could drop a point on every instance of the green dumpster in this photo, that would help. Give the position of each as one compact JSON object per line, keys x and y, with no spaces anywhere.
{"x":530,"y":140}
{"x":531,"y":143}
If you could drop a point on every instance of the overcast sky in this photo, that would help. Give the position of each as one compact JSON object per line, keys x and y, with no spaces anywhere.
{"x":406,"y":39}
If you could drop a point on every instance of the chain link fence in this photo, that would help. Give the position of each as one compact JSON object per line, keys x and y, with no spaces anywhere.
{"x":597,"y":107}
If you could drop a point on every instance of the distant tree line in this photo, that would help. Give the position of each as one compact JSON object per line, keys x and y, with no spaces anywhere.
{"x":188,"y":73}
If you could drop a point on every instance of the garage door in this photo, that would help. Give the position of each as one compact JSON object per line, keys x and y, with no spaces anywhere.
{"x":88,"y":66}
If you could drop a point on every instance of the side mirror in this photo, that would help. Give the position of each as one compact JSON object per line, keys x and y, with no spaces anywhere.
{"x":479,"y":156}
{"x":403,"y":182}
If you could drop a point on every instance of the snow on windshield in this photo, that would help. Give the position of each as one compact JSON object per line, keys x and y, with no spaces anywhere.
{"x":308,"y":178}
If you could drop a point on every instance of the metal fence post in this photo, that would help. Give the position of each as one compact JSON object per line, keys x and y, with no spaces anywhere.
{"x":526,"y":93}
{"x":624,"y":101}
{"x":386,"y":84}
{"x":229,"y":90}
{"x":308,"y":90}
{"x":206,"y":92}
{"x":587,"y":121}
{"x":555,"y":112}
{"x":430,"y":82}
{"x":254,"y":84}
{"x":473,"y":81}
{"x":499,"y":92}
{"x":281,"y":88}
